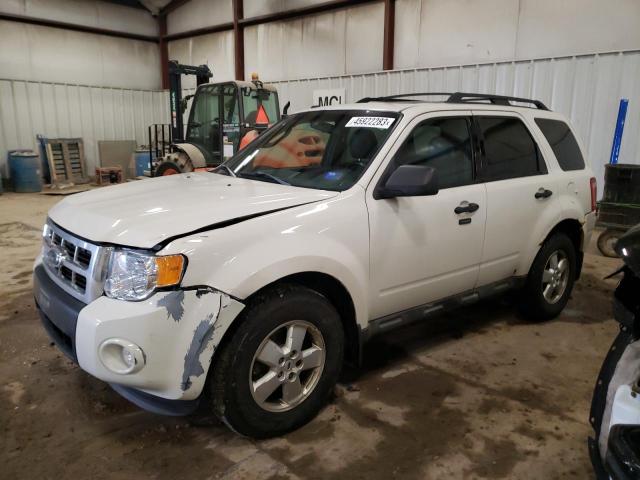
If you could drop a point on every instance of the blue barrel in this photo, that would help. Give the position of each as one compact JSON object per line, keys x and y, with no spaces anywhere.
{"x":25,"y":171}
{"x":142,"y":160}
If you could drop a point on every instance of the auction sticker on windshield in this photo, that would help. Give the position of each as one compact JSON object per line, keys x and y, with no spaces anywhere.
{"x":371,"y":122}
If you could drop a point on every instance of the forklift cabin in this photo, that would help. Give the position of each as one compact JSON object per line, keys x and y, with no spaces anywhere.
{"x":223,"y":118}
{"x":223,"y":113}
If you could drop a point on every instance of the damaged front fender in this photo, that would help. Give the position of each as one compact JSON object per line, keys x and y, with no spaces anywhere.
{"x":178,"y":331}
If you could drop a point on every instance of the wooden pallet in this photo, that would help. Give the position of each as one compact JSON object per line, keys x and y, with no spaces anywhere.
{"x":66,"y":161}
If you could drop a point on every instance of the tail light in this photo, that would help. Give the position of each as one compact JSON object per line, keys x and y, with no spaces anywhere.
{"x":594,"y":193}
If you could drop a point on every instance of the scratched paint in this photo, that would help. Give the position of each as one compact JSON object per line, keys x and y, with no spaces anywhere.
{"x":174,"y":303}
{"x":201,"y":338}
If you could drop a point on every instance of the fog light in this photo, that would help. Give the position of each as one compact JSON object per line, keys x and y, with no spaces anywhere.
{"x":128,"y":357}
{"x":121,"y":356}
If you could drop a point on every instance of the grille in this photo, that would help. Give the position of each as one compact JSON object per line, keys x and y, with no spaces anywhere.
{"x":74,"y":264}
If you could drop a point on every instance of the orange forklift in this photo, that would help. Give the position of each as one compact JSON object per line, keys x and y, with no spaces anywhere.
{"x":224,"y":117}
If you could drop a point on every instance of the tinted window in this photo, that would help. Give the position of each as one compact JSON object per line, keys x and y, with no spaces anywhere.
{"x":510,"y":151}
{"x":563,"y":143}
{"x":443,"y":144}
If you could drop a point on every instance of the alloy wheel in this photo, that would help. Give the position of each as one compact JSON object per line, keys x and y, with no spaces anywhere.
{"x":287,"y":366}
{"x":555,"y":276}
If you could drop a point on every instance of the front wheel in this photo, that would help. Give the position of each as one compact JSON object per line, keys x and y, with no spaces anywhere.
{"x":550,"y":279}
{"x":281,"y":363}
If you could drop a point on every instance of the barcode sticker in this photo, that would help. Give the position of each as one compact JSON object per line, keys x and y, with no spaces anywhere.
{"x":371,"y":122}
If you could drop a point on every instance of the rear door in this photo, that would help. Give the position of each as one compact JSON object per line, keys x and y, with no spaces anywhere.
{"x":522,"y":197}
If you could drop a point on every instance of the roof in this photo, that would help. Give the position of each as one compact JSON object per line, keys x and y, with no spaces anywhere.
{"x":240,"y":84}
{"x":450,"y":101}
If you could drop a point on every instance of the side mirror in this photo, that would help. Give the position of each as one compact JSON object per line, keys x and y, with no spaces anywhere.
{"x":409,"y":181}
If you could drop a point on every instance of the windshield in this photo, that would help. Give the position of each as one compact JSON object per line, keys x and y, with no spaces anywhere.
{"x":327,"y":150}
{"x":252,"y":100}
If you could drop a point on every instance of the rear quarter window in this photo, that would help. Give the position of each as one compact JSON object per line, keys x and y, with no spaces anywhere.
{"x":562,"y":142}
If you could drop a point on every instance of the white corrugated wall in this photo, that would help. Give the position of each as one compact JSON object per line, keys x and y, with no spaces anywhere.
{"x":66,"y":110}
{"x":586,"y":88}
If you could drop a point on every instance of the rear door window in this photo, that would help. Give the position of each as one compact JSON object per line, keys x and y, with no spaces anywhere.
{"x":444,"y":144}
{"x":562,"y":142}
{"x":509,"y":149}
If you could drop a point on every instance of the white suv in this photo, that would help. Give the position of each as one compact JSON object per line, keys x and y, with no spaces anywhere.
{"x":243,"y":290}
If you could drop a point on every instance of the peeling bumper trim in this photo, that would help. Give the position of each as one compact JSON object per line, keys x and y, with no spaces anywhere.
{"x":157,"y":405}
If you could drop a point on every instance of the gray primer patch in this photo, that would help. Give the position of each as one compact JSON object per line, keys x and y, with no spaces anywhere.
{"x":174,"y":303}
{"x":201,"y":337}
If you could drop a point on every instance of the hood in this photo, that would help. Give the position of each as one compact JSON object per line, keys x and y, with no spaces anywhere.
{"x":144,"y":213}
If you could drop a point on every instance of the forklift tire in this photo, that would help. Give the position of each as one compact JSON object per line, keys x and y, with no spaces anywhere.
{"x":607,"y":242}
{"x":167,"y":168}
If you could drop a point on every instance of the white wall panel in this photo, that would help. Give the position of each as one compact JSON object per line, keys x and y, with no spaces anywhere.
{"x":445,"y":32}
{"x":91,"y":13}
{"x":214,"y":50}
{"x":549,"y":28}
{"x":65,"y":110}
{"x":199,"y":13}
{"x":431,"y":33}
{"x":586,"y":88}
{"x":31,"y":52}
{"x":344,"y":41}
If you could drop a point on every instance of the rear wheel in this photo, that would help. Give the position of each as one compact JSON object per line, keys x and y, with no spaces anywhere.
{"x":550,"y":280}
{"x":280,"y":365}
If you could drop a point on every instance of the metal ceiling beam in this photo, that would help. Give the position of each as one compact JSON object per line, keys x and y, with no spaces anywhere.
{"x":303,"y":11}
{"x":223,"y":27}
{"x":272,"y":17}
{"x":238,"y":38}
{"x":76,"y":28}
{"x":389,"y":31}
{"x":129,"y":3}
{"x":164,"y":51}
{"x":172,"y":5}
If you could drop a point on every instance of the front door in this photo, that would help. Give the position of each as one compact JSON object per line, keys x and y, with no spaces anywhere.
{"x":422,"y":250}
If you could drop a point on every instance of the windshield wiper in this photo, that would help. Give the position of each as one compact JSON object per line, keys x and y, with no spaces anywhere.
{"x":224,"y":167}
{"x":265,"y":175}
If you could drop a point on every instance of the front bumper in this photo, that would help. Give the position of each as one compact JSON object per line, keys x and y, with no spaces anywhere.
{"x":177,"y":331}
{"x":58,"y":311}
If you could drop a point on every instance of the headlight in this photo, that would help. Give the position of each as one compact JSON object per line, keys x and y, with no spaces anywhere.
{"x":135,"y":275}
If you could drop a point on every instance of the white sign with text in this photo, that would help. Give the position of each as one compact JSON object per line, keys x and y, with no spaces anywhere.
{"x":332,"y":96}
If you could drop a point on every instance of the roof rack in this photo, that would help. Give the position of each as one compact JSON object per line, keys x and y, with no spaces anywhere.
{"x":460,"y":97}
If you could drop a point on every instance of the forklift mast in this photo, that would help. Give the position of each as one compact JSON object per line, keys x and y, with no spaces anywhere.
{"x":176,"y":70}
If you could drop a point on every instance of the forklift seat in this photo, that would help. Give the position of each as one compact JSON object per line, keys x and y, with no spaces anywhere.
{"x":363,"y":144}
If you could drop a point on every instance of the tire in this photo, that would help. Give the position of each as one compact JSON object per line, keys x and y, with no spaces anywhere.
{"x":607,"y":240}
{"x":534,"y":304}
{"x":238,"y":367}
{"x":167,"y":168}
{"x":174,"y":164}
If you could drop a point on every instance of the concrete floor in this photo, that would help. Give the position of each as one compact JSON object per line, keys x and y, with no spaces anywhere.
{"x":479,"y":393}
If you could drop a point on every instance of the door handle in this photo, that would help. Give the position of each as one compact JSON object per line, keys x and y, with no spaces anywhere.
{"x":465,"y":207}
{"x":543,"y":193}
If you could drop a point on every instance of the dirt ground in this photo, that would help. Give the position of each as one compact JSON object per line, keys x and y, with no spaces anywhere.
{"x":479,"y":393}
